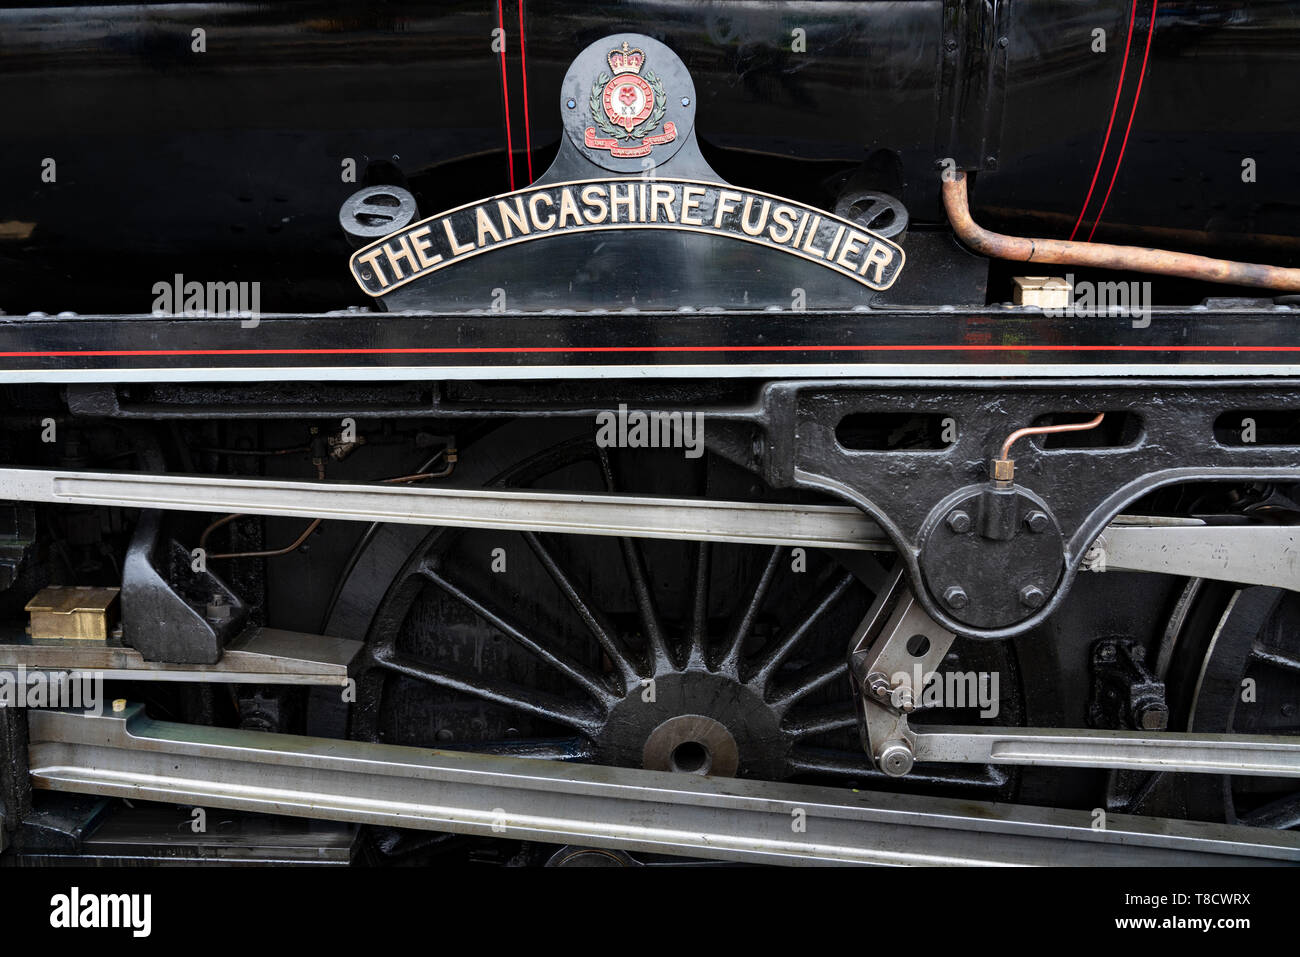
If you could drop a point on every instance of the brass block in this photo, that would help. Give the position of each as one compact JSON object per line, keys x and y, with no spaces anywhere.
{"x":79,"y":612}
{"x":1046,"y":292}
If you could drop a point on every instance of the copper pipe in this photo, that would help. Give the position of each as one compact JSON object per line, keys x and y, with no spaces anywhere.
{"x":1102,"y":256}
{"x":315,"y":523}
{"x":1048,"y":430}
{"x":1281,"y":245}
{"x":203,"y":539}
{"x":449,"y":454}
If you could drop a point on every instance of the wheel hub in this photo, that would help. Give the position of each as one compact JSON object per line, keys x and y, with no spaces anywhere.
{"x":692,"y":744}
{"x":697,"y":722}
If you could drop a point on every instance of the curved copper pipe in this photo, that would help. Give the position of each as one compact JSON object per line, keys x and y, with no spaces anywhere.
{"x":1048,"y":430}
{"x":450,"y":455}
{"x":315,"y":524}
{"x":1100,"y":255}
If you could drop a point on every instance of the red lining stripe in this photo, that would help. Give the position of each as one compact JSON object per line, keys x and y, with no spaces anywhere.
{"x":505,"y":95}
{"x":523,"y":69}
{"x":1151,"y":31}
{"x":1114,"y":109}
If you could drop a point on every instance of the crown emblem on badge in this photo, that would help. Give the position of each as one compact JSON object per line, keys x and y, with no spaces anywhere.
{"x":625,"y":60}
{"x":628,"y":106}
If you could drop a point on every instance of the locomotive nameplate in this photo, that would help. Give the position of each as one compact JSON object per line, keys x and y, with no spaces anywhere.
{"x":619,"y":204}
{"x":632,"y":215}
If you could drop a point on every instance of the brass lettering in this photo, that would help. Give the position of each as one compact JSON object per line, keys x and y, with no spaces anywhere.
{"x":799,"y":235}
{"x":727,"y":200}
{"x":485,"y":227}
{"x":762,"y":217}
{"x":593,"y":197}
{"x":782,"y":224}
{"x":422,"y":243}
{"x":512,"y":219}
{"x":568,"y":208}
{"x":538,"y":223}
{"x":662,"y":197}
{"x":691,"y":196}
{"x":808,"y":246}
{"x":371,"y":259}
{"x":850,"y":247}
{"x":881,"y":256}
{"x":457,"y":247}
{"x":839,"y":234}
{"x":628,"y":201}
{"x":403,"y":251}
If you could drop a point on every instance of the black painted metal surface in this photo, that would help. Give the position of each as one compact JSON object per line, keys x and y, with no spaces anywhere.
{"x":227,"y":164}
{"x":911,"y":492}
{"x":1261,"y":339}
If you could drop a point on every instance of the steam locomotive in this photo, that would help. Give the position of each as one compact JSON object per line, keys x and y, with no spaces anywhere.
{"x":550,"y":434}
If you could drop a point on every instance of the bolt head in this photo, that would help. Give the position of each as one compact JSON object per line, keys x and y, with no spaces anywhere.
{"x":896,"y":760}
{"x":878,"y":684}
{"x":956,"y":597}
{"x":1031,"y":596}
{"x":958,"y":522}
{"x":1037,"y":522}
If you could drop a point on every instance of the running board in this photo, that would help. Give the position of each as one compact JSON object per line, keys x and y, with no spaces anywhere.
{"x":130,"y":755}
{"x":763,"y":523}
{"x":1245,"y":554}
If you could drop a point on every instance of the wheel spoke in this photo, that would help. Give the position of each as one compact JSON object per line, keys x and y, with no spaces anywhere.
{"x":831,"y":718}
{"x":594,"y":621}
{"x":770,"y":658}
{"x":537,"y":703}
{"x":579,"y":674}
{"x":699,"y":605}
{"x":656,"y":642}
{"x":729,"y":662}
{"x":1281,"y":814}
{"x":809,"y":681}
{"x":661,"y":657}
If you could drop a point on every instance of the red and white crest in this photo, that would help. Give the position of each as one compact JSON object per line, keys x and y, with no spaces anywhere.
{"x":628,"y":106}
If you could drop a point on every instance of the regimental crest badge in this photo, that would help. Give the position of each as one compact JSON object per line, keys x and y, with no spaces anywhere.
{"x":628,"y":203}
{"x":628,"y":106}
